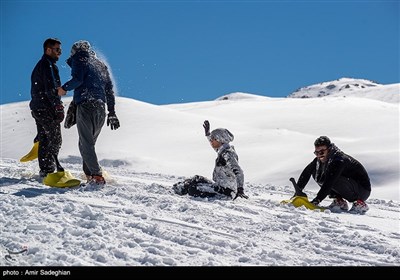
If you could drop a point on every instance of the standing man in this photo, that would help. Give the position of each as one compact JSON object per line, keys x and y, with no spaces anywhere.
{"x":339,"y":175}
{"x":47,"y":108}
{"x":93,"y":89}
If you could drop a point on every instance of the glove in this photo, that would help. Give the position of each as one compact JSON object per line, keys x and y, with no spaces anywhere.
{"x":240,"y":193}
{"x":206,"y":126}
{"x":298,"y":191}
{"x":112,"y":121}
{"x":315,"y":201}
{"x":70,"y":119}
{"x":59,"y":110}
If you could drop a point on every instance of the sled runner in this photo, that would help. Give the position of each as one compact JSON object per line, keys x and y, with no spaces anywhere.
{"x":61,"y":179}
{"x":33,"y":154}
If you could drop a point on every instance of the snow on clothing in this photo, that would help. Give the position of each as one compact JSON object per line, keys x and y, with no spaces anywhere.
{"x":340,"y":175}
{"x":90,"y":79}
{"x":227,"y":172}
{"x":227,"y":177}
{"x":93,"y":89}
{"x":222,"y":135}
{"x":45,"y":79}
{"x":90,"y":118}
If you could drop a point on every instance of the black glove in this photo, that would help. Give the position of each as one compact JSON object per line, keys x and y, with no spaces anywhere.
{"x":315,"y":201}
{"x":112,"y":121}
{"x":206,"y":126}
{"x":297,"y":190}
{"x":59,"y":110}
{"x":70,"y":119}
{"x":240,"y":193}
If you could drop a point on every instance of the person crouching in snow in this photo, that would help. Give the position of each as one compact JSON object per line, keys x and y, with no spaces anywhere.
{"x":228,"y":178}
{"x":339,"y":176}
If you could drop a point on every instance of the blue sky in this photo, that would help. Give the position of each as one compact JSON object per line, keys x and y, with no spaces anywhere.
{"x":164,"y":52}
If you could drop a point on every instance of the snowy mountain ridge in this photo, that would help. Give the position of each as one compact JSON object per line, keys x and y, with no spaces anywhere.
{"x":344,"y":87}
{"x":331,"y":87}
{"x":350,"y":87}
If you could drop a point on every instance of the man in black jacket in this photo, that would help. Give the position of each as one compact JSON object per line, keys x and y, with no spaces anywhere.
{"x":339,"y":175}
{"x":47,"y":108}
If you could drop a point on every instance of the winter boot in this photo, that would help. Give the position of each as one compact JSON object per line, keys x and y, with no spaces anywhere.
{"x":42,"y":174}
{"x":359,"y":207}
{"x":339,"y":204}
{"x":88,"y":178}
{"x":97,"y":180}
{"x":181,"y":188}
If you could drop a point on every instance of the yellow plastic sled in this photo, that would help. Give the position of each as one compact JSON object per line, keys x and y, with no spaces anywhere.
{"x":33,"y":154}
{"x":62,"y":179}
{"x":298,"y":201}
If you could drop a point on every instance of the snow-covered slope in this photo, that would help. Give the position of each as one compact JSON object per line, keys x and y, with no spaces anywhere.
{"x":273,"y":136}
{"x":137,"y":221}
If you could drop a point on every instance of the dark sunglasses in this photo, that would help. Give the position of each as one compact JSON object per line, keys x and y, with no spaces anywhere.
{"x":320,"y":152}
{"x":56,"y":49}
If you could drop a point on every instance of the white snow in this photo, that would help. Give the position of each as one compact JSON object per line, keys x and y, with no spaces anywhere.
{"x":136,"y":220}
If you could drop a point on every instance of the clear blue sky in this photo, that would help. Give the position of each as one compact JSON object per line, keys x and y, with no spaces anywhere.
{"x":165,"y":52}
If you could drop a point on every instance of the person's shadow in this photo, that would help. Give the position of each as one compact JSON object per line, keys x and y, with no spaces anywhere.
{"x":29,"y":191}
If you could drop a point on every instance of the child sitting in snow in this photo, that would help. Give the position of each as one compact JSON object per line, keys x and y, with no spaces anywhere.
{"x":228,"y":178}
